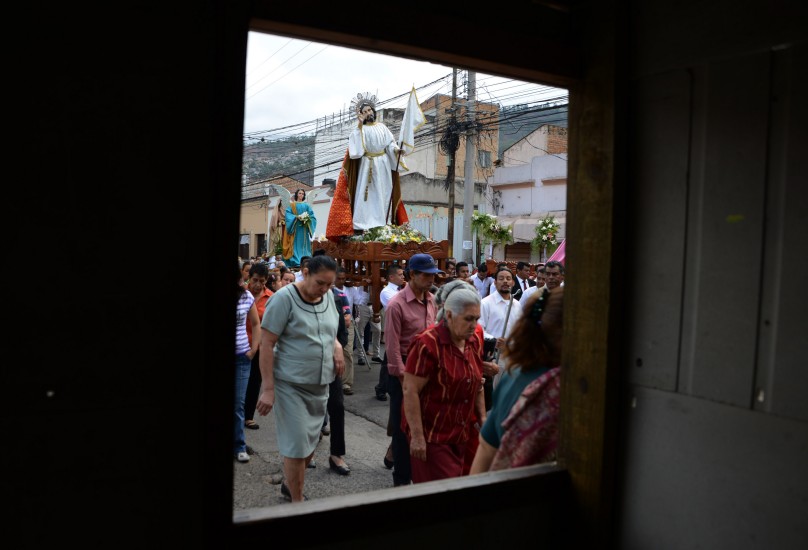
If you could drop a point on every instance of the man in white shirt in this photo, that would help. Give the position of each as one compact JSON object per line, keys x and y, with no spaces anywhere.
{"x":482,"y":281}
{"x":364,"y":313}
{"x":538,"y":287}
{"x":299,"y":273}
{"x":347,"y":350}
{"x":395,"y":282}
{"x":494,"y":309}
{"x":273,"y":261}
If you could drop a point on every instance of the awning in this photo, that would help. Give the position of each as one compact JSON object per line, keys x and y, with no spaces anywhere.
{"x":524,"y":229}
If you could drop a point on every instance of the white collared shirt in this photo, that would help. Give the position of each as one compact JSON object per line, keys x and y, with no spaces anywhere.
{"x":532,"y":290}
{"x":388,"y":292}
{"x":493,"y":309}
{"x":360,"y":296}
{"x":484,"y":286}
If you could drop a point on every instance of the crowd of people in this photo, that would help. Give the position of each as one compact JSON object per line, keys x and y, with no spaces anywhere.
{"x":470,"y":363}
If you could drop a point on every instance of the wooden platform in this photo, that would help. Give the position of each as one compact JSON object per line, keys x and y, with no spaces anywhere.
{"x":511,"y":264}
{"x":366,"y":263}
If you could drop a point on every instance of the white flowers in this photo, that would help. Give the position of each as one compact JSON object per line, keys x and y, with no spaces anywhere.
{"x":488,"y":227}
{"x":304,"y":219}
{"x":392,"y":234}
{"x":546,"y":233}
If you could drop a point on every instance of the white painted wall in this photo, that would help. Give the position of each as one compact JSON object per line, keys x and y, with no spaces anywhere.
{"x":532,"y":189}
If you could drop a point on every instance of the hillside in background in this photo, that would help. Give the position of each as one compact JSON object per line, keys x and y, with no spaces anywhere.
{"x":293,"y":157}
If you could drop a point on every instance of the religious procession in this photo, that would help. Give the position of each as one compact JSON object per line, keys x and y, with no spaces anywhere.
{"x":456,"y":365}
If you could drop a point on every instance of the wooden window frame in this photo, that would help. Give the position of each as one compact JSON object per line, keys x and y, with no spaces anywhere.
{"x":586,"y":455}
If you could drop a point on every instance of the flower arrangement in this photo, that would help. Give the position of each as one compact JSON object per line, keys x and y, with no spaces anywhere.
{"x":546,"y":234}
{"x":489,"y":228}
{"x":304,"y":219}
{"x":392,"y":234}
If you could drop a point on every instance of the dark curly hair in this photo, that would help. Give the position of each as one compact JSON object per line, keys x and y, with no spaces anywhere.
{"x":535,"y":341}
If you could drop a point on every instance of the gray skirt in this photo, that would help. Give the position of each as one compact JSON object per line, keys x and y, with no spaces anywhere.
{"x":299,"y":413}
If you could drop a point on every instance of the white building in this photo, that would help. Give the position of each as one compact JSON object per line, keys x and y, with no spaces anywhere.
{"x":529,"y":184}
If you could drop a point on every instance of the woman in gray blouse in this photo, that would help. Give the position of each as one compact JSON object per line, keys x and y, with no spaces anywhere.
{"x":300,"y":356}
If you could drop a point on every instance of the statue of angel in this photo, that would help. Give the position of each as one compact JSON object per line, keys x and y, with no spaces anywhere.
{"x":300,"y":223}
{"x":277,"y":221}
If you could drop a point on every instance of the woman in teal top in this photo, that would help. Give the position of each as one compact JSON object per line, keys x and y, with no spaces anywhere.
{"x":533,"y":354}
{"x":300,"y":356}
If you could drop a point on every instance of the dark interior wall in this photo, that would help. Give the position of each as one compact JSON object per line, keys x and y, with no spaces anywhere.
{"x":106,"y":111}
{"x":127,"y":124}
{"x":117,"y":406}
{"x":716,"y":423}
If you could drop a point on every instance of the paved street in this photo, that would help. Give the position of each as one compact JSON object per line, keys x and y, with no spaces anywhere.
{"x":257,"y":483}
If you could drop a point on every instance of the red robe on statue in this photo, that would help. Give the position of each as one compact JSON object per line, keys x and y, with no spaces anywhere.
{"x":340,"y":217}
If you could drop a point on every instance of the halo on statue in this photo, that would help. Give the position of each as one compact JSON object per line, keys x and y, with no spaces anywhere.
{"x":363,"y":99}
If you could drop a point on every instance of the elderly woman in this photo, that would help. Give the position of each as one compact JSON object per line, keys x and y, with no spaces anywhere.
{"x":442,"y":387}
{"x":489,"y":370}
{"x":300,"y":357}
{"x":522,"y":425}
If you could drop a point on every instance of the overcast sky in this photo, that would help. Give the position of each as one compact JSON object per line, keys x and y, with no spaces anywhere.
{"x":290,"y":84}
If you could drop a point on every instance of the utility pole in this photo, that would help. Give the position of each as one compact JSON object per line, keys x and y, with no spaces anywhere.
{"x":450,"y":176}
{"x":468,"y":178}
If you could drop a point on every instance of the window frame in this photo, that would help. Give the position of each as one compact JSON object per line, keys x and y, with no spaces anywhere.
{"x":589,"y":394}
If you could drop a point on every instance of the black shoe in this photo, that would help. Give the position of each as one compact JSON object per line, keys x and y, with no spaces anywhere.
{"x":387,"y":462}
{"x":361,"y":361}
{"x":326,"y":430}
{"x":376,"y":359}
{"x":381,"y":396}
{"x":341,"y":470}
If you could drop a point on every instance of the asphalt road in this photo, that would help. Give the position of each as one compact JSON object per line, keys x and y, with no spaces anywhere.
{"x":257,"y":483}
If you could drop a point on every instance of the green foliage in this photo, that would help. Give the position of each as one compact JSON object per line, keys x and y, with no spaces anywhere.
{"x":546,"y":234}
{"x":488,"y":228}
{"x":392,"y":234}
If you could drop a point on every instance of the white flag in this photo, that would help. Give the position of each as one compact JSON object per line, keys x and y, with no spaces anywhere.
{"x":413,"y":119}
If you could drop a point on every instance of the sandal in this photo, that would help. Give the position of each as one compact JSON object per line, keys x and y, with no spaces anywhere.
{"x":251,"y":424}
